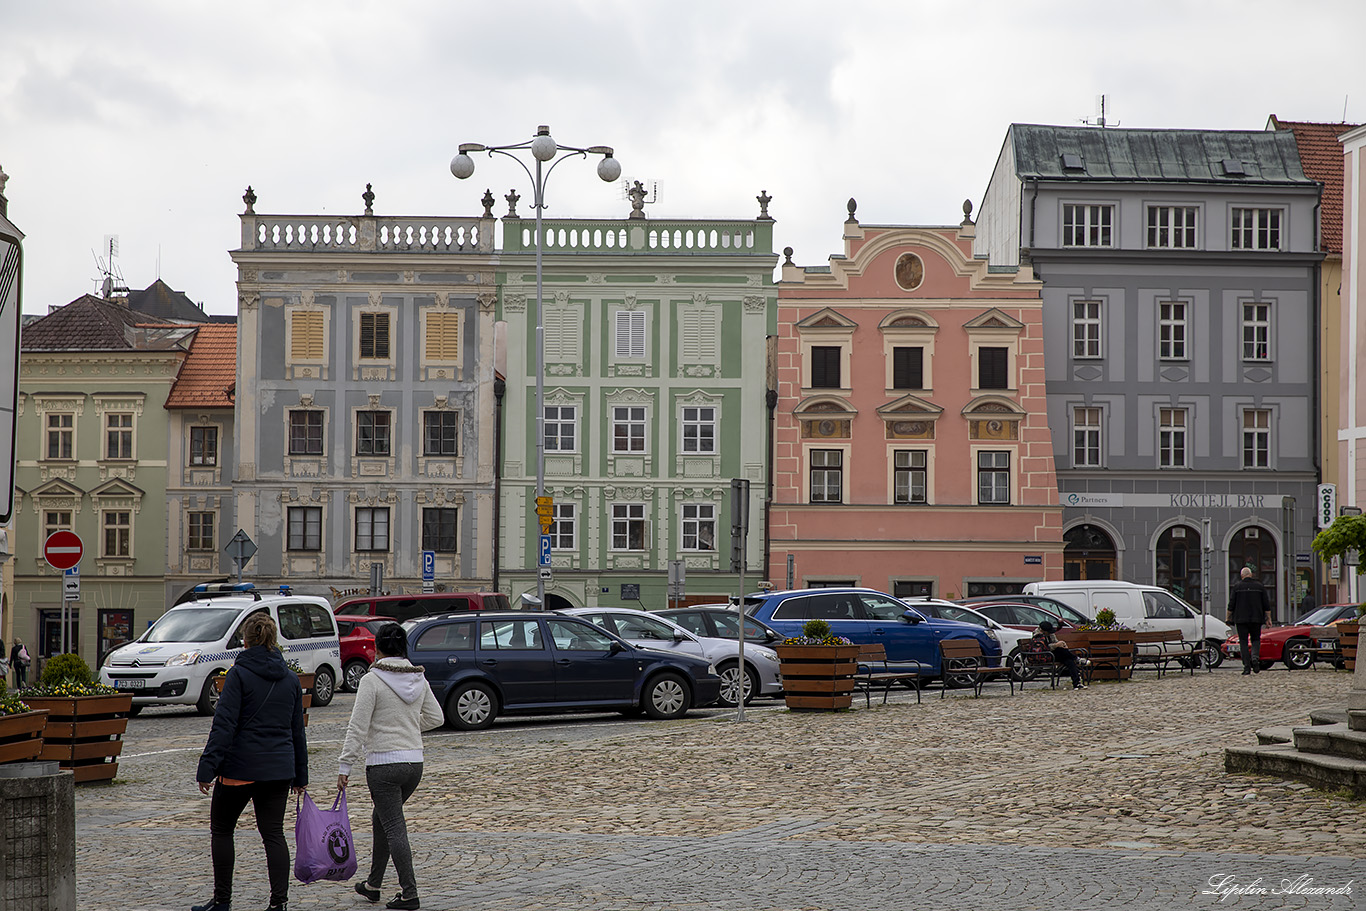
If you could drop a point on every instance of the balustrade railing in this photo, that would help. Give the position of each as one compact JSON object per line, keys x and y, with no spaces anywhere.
{"x":676,"y":237}
{"x":401,"y":234}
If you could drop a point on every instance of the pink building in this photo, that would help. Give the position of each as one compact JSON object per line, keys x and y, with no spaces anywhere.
{"x":911,"y":444}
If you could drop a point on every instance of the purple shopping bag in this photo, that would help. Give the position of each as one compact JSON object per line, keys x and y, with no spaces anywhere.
{"x":323,"y":848}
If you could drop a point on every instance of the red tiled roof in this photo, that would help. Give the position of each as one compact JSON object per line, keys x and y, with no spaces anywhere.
{"x":1321,"y":158}
{"x":208,"y":377}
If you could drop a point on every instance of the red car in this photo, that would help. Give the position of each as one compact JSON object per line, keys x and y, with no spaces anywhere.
{"x":1275,"y":639}
{"x":357,"y":636}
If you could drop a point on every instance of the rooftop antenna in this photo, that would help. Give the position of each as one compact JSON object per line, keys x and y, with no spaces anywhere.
{"x":109,"y":273}
{"x":1100,"y":120}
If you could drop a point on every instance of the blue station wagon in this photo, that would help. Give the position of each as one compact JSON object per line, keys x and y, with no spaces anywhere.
{"x":488,"y":664}
{"x":865,"y":616}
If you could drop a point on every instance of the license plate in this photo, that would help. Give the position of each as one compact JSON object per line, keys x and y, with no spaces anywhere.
{"x":135,"y":683}
{"x":1328,"y":643}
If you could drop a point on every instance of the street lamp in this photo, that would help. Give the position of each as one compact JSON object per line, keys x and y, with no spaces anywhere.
{"x":543,"y":149}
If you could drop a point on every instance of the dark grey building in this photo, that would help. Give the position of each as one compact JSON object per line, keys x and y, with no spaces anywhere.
{"x":1180,"y":283}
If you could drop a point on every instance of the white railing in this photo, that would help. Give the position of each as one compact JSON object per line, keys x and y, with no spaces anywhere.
{"x":320,"y":233}
{"x":641,"y":237}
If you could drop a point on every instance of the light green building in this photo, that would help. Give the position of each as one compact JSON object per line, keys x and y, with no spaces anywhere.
{"x":656,"y":397}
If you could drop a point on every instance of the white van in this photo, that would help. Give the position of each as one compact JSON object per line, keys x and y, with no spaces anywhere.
{"x":173,"y":663}
{"x":1139,"y":607}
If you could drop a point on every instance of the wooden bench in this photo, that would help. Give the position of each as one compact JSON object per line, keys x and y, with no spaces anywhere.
{"x":963,"y":659}
{"x":875,"y":670}
{"x":1035,"y":661}
{"x":1159,"y":648}
{"x":1324,"y":645}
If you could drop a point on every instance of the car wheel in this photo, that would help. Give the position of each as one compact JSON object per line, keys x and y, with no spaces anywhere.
{"x":1297,"y":655}
{"x":730,"y":678}
{"x":352,"y":673}
{"x":1020,"y":669}
{"x":1214,"y":653}
{"x":667,"y":697}
{"x":324,"y":686}
{"x":472,"y":707}
{"x":208,"y":698}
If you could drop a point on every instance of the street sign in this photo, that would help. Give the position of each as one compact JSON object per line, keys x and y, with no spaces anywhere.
{"x":428,"y":566}
{"x":545,"y":551}
{"x":428,"y":588}
{"x":71,"y":584}
{"x":1033,"y":559}
{"x":545,"y":501}
{"x":376,"y":578}
{"x":63,"y":549}
{"x":1304,"y":559}
{"x":1328,"y":504}
{"x":546,"y":574}
{"x":240,"y":548}
{"x":545,"y":512}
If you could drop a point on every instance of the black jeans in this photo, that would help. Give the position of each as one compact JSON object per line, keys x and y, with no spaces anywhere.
{"x":1251,"y":631}
{"x":268,"y":799}
{"x":1063,"y":655}
{"x":391,"y":784}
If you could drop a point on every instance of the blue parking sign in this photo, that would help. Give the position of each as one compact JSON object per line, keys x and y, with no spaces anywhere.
{"x":545,"y":550}
{"x":429,"y":566}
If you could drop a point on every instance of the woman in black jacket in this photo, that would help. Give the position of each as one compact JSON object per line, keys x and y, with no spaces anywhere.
{"x":256,"y":753}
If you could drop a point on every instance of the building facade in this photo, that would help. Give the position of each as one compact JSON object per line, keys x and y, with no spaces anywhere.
{"x":1351,"y":436}
{"x":912,"y":446}
{"x":655,"y":399}
{"x":1180,"y":298}
{"x":364,"y":389}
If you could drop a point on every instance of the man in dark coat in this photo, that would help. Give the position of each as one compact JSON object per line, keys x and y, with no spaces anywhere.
{"x":1248,"y":609}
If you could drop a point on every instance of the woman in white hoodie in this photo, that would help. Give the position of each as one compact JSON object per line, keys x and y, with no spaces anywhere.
{"x":394,"y":705}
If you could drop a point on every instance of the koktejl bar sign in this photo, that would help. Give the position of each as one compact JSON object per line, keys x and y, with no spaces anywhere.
{"x":1243,"y":501}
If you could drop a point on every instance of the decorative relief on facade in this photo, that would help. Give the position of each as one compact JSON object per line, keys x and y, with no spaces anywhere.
{"x":910,"y":430}
{"x":248,"y":275}
{"x":629,"y":302}
{"x":442,"y":300}
{"x":306,"y":297}
{"x":1175,"y":374}
{"x":438,"y":468}
{"x":700,"y":562}
{"x":514,"y":303}
{"x":628,"y":466}
{"x":628,"y":370}
{"x":828,"y":429}
{"x":1087,"y":373}
{"x":564,"y":466}
{"x":994,"y":430}
{"x":409,"y":276}
{"x":1257,"y":374}
{"x":698,"y":468}
{"x":372,"y":468}
{"x":562,"y":370}
{"x":699,"y":370}
{"x":755,"y":303}
{"x":376,"y":298}
{"x":597,"y":278}
{"x":303,"y":468}
{"x":374,"y":374}
{"x":630,"y":396}
{"x":628,"y":561}
{"x":248,"y":301}
{"x":487,"y":301}
{"x":909,"y":271}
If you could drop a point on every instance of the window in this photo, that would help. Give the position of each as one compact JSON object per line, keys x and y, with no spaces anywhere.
{"x":372,"y":433}
{"x":60,"y":433}
{"x":305,"y":528}
{"x":910,"y":476}
{"x":1171,"y":227}
{"x":374,"y":336}
{"x":1086,"y":226}
{"x":203,"y":446}
{"x":993,"y":368}
{"x":699,"y":429}
{"x":827,"y":476}
{"x":440,"y":433}
{"x":305,"y":433}
{"x":510,"y":635}
{"x":307,"y":335}
{"x":560,"y":424}
{"x":55,"y":520}
{"x":118,"y":436}
{"x":700,"y":341}
{"x":200,"y":531}
{"x":1256,"y":332}
{"x":443,"y":336}
{"x":1086,"y":328}
{"x":372,"y":528}
{"x":1171,"y":437}
{"x":628,"y":526}
{"x":118,"y":533}
{"x":562,"y":527}
{"x":825,"y":367}
{"x":1256,"y":229}
{"x":1256,"y":439}
{"x":1171,"y":330}
{"x":628,"y":428}
{"x":1086,"y":437}
{"x":439,"y":529}
{"x":630,"y":334}
{"x":908,"y":368}
{"x":699,"y":526}
{"x":993,"y":478}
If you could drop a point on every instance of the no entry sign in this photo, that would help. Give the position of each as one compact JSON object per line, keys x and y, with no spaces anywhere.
{"x":63,"y":549}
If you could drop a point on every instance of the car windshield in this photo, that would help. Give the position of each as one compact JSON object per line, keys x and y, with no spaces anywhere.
{"x":961,"y":614}
{"x":725,"y":627}
{"x":196,"y":625}
{"x":1066,"y":611}
{"x":1320,"y":616}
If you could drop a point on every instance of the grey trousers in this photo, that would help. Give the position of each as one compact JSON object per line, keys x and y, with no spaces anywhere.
{"x":391,"y":785}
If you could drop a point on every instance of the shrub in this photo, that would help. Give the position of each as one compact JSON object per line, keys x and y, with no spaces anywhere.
{"x":1105,"y":617}
{"x":816,"y":629}
{"x":68,"y":668}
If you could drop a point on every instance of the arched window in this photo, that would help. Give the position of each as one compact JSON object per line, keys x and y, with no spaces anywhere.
{"x":1256,"y":548}
{"x":1088,"y":553}
{"x":1177,"y":563}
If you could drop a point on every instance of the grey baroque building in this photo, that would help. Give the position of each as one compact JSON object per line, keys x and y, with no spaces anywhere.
{"x":1180,"y":273}
{"x":365,"y":399}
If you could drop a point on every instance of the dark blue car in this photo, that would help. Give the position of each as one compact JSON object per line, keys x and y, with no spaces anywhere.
{"x":865,"y":616}
{"x":488,"y":664}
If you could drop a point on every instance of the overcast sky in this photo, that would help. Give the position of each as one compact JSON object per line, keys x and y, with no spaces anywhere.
{"x":147,"y":120}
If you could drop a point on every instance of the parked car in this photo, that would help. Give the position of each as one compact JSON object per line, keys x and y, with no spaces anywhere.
{"x":718,"y":620}
{"x":1052,"y":605}
{"x":357,"y":646}
{"x":175,"y":660}
{"x":649,"y":630}
{"x":406,"y":607}
{"x":1278,"y":642}
{"x":1141,"y":607}
{"x":1022,"y":616}
{"x":485,"y":664}
{"x":1009,"y":637}
{"x":865,"y":616}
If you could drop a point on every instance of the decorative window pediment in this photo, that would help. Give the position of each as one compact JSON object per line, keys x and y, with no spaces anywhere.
{"x":994,"y":318}
{"x":57,"y":487}
{"x":629,"y":397}
{"x":997,"y":407}
{"x":825,"y":418}
{"x":914,"y":320}
{"x":910,"y":407}
{"x":824,"y":406}
{"x":698,"y":397}
{"x":116,"y":487}
{"x":827,"y":320}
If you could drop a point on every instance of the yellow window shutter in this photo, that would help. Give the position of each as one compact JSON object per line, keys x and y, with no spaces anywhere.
{"x":306,"y":336}
{"x":443,"y":337}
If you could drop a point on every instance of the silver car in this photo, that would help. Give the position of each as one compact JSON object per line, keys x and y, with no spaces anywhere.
{"x":649,"y":630}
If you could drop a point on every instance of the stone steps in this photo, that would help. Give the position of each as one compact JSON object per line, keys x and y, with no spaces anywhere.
{"x":1330,"y":753}
{"x":1331,"y":739}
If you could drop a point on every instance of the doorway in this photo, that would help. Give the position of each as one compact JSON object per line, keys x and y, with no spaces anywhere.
{"x":1177,"y":563}
{"x":1254,"y":547}
{"x":1088,"y":553}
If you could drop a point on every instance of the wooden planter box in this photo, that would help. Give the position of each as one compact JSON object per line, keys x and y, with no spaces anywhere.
{"x":305,"y":681}
{"x":1347,"y":635}
{"x":1103,"y":644}
{"x":84,"y":733}
{"x":21,"y":735}
{"x":818,"y":676}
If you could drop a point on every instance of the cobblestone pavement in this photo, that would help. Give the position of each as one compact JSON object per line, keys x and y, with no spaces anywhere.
{"x":1113,"y":796}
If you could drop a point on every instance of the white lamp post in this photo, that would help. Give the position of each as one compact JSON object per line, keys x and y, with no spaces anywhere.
{"x":543,"y":149}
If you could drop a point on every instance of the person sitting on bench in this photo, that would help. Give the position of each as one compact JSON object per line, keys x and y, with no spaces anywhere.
{"x":1061,"y":653}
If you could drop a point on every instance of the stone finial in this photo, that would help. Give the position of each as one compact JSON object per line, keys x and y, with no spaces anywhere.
{"x":512,"y":198}
{"x":249,"y":198}
{"x":787,"y":254}
{"x":764,"y":200}
{"x":852,"y":205}
{"x":967,"y":211}
{"x":369,"y":197}
{"x":637,"y":194}
{"x":487,"y":203}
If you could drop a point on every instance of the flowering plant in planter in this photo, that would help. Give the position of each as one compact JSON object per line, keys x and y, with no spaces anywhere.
{"x":66,"y":676}
{"x":816,"y":632}
{"x":10,"y":704}
{"x":1105,"y":621}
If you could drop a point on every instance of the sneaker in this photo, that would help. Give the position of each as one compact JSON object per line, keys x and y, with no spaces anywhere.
{"x":405,"y":904}
{"x":370,"y":892}
{"x":213,"y":904}
{"x":1246,"y":671}
{"x":1084,"y":662}
{"x":1256,"y":668}
{"x":1079,"y":686}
